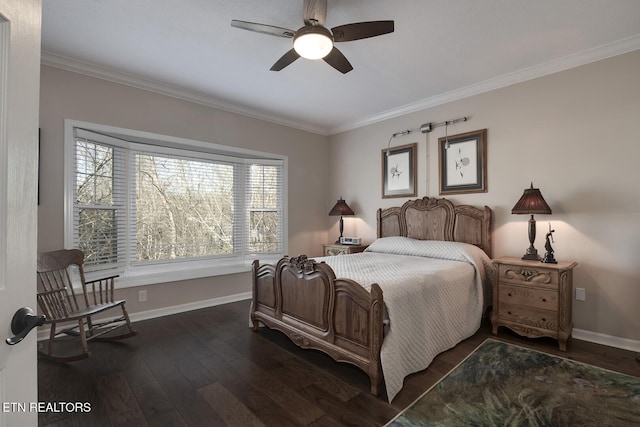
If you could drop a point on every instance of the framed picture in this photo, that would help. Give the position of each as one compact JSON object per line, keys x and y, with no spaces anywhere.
{"x":463,"y":163}
{"x":399,"y":166}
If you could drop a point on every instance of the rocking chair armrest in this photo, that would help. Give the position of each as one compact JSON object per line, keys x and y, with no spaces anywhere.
{"x":101,"y":290}
{"x":104,"y":283}
{"x":88,"y":282}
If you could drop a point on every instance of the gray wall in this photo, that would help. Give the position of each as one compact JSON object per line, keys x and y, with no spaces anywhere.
{"x":575,"y":135}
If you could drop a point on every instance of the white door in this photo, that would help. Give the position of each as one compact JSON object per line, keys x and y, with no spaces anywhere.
{"x":19,"y":92}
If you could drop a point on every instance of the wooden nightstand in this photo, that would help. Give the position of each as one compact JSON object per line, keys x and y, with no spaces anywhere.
{"x":338,"y":249}
{"x":534,"y":299}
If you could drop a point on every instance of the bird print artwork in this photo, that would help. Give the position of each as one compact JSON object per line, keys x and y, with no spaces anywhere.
{"x":461,"y":162}
{"x":395,"y":172}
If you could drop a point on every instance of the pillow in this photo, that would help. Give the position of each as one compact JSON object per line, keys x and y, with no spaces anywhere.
{"x":455,"y":251}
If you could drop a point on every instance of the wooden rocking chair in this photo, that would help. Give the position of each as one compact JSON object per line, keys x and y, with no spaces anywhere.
{"x":59,"y":303}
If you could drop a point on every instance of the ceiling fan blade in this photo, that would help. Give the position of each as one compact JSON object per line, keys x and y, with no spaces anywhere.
{"x":263,"y":28}
{"x":361,"y":30}
{"x":337,"y":60}
{"x":285,"y":60}
{"x":315,"y":12}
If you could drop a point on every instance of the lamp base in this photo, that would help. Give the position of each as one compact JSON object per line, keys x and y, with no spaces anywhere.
{"x":531,"y":255}
{"x":341,"y":230}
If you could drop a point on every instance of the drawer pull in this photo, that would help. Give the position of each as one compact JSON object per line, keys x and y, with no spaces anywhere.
{"x":508,"y":312}
{"x":544,"y":300}
{"x":544,"y":320}
{"x":509,"y":294}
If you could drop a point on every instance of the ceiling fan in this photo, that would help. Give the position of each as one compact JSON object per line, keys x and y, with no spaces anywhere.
{"x":314,"y":40}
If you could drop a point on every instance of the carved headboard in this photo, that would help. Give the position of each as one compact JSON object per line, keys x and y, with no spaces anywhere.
{"x":437,"y":219}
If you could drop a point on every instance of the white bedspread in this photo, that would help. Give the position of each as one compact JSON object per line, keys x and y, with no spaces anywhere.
{"x":433,"y":292}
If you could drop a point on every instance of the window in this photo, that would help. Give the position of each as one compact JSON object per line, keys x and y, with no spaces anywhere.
{"x":264,"y":208}
{"x":148,"y":205}
{"x":184,"y":208}
{"x":98,"y":201}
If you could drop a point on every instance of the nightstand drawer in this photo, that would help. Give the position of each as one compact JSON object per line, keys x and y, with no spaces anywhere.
{"x":526,"y":295}
{"x":529,"y":275}
{"x":335,"y":250}
{"x":529,"y":316}
{"x":338,"y":249}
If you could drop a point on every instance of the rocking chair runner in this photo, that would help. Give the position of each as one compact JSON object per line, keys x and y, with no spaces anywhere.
{"x":59,"y":302}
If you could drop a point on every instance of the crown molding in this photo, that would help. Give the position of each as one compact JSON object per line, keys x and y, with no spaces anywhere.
{"x":105,"y":73}
{"x":592,"y":55}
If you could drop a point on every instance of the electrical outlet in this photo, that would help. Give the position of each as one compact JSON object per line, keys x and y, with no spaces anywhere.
{"x":581,"y":295}
{"x":142,"y":296}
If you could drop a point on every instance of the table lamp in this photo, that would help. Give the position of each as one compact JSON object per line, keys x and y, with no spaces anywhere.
{"x":531,"y":203}
{"x":341,"y":208}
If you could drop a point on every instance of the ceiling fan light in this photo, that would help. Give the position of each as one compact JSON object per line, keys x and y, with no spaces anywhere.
{"x":313,"y":42}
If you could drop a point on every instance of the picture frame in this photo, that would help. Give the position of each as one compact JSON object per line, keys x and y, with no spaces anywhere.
{"x":462,"y":160}
{"x":399,"y":171}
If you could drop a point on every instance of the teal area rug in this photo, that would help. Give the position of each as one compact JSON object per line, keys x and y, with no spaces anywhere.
{"x":501,"y":384}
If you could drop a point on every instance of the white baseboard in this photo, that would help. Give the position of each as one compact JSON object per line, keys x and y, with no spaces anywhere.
{"x":197,"y":305}
{"x":579,"y":334}
{"x":43,"y":333}
{"x":610,"y":340}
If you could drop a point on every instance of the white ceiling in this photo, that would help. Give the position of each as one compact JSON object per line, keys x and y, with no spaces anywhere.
{"x":441,"y":50}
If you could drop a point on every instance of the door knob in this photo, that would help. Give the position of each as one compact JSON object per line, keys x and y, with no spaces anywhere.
{"x":23,"y":321}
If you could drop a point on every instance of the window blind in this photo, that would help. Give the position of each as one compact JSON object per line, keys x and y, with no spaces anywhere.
{"x":183,"y":208}
{"x":99,"y":202}
{"x":264,"y":207}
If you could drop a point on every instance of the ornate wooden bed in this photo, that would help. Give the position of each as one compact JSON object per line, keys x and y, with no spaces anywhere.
{"x":303,"y":298}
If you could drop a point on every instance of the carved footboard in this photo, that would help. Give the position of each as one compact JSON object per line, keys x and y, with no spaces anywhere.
{"x":303,"y":299}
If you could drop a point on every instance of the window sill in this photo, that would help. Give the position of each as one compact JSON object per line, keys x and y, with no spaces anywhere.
{"x":152,"y":275}
{"x":132,"y":280}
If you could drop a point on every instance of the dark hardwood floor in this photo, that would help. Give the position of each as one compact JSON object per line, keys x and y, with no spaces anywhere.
{"x":208,"y":368}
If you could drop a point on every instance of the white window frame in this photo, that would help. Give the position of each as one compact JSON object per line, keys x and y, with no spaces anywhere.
{"x":136,"y":275}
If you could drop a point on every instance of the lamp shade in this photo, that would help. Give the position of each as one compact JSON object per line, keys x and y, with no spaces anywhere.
{"x":531,"y":202}
{"x":341,"y":208}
